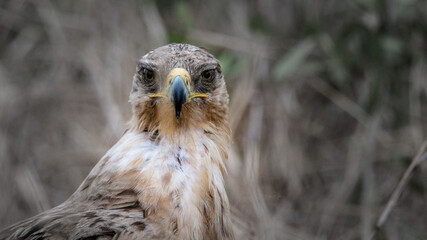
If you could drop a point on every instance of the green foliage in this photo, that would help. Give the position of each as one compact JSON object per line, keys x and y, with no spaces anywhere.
{"x":184,"y":14}
{"x":231,"y":65}
{"x":295,"y":61}
{"x":259,"y":25}
{"x":374,"y":46}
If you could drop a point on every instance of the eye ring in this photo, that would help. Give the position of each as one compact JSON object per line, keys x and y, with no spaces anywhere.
{"x":148,"y":74}
{"x":208,"y":74}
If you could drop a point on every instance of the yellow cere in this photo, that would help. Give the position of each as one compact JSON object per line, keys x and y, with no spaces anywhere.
{"x":179,"y":72}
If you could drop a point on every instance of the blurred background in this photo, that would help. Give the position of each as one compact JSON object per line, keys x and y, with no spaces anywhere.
{"x":328,"y":104}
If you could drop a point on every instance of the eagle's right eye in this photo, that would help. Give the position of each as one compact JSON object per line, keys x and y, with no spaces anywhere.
{"x":148,"y":74}
{"x":208,"y":75}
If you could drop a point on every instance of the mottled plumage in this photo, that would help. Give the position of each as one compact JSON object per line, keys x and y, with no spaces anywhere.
{"x":164,"y":179}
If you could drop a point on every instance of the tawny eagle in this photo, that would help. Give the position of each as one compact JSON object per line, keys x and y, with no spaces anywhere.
{"x":164,"y":179}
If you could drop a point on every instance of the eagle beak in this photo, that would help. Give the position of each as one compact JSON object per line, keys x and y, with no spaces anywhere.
{"x":178,"y":84}
{"x":179,"y":94}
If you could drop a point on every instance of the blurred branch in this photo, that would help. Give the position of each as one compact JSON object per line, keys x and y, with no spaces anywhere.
{"x":32,"y":189}
{"x":346,"y":104}
{"x":154,"y":22}
{"x":416,"y":161}
{"x":230,"y":42}
{"x":242,"y":95}
{"x":295,"y":60}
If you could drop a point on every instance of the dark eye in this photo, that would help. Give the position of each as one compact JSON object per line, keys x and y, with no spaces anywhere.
{"x":208,"y":74}
{"x":148,"y":74}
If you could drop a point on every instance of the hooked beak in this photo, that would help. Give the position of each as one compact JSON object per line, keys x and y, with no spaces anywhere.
{"x":178,"y":93}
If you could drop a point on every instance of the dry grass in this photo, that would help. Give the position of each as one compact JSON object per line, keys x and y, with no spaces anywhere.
{"x":313,"y":157}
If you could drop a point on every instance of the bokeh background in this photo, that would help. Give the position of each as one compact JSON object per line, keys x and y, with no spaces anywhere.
{"x":328,"y":105}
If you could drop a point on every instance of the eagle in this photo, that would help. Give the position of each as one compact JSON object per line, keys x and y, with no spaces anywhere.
{"x":164,"y":179}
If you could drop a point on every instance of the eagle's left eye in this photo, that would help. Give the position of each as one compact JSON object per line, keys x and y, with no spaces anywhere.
{"x":208,"y":74}
{"x":148,"y":74}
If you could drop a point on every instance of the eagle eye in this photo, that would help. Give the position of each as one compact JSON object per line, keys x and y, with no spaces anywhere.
{"x":208,"y":74}
{"x":148,"y":74}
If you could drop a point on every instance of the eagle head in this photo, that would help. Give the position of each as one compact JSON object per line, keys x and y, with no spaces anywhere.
{"x":178,"y":87}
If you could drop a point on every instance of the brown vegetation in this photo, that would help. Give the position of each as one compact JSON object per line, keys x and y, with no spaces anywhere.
{"x":328,"y":104}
